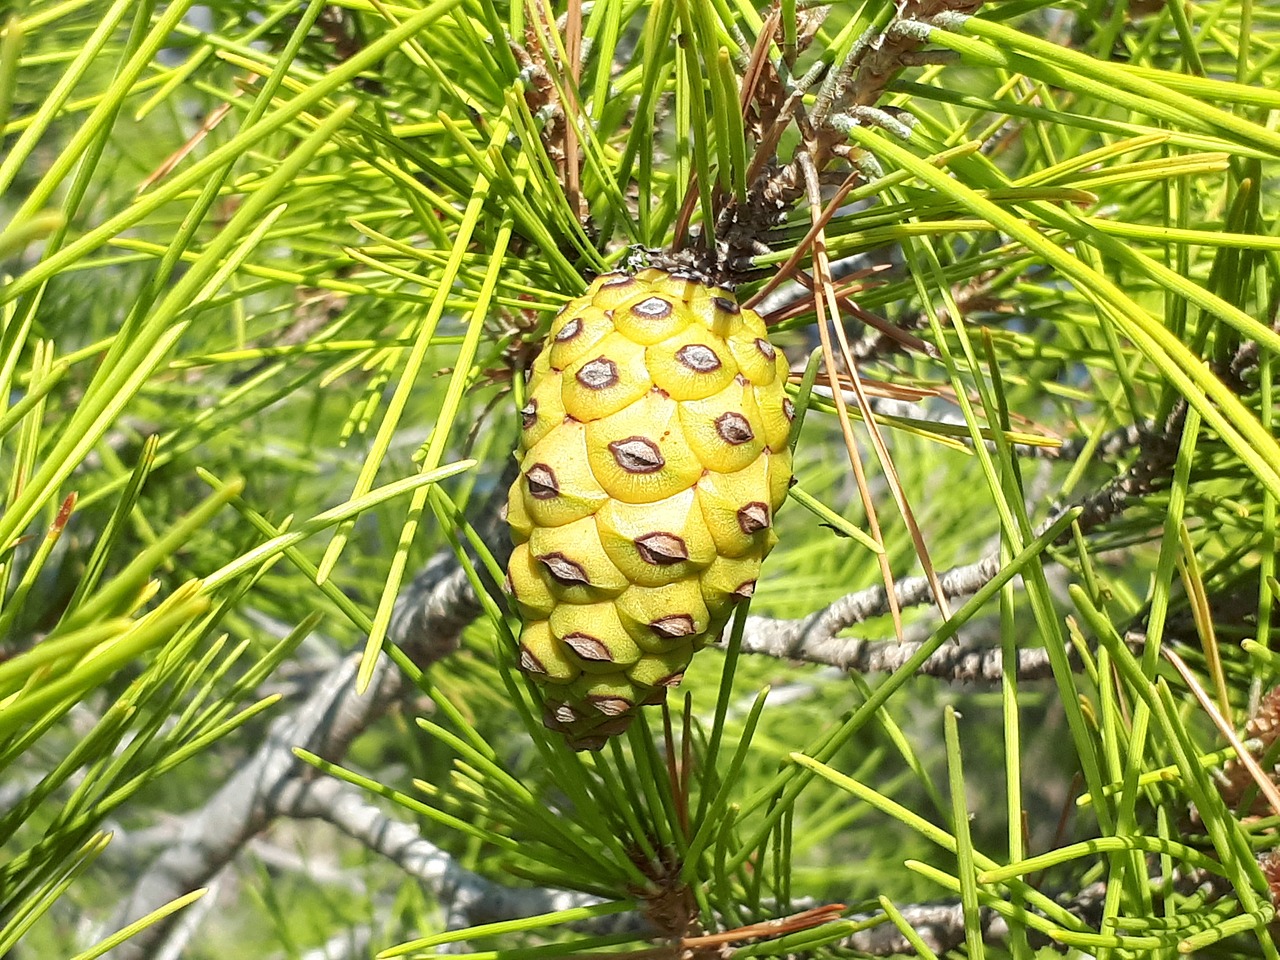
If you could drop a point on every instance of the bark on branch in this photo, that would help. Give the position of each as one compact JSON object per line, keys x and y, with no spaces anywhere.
{"x":427,"y":623}
{"x":815,"y":638}
{"x":459,"y":891}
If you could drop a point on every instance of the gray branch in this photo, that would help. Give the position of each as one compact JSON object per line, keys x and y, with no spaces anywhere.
{"x":214,"y":834}
{"x":956,"y":663}
{"x":460,"y":892}
{"x":426,"y":625}
{"x":815,"y":638}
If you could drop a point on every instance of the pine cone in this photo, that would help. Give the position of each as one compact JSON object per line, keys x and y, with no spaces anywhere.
{"x":653,"y":454}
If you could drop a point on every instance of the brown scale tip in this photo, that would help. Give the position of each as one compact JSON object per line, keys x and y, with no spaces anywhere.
{"x":788,"y":408}
{"x":529,"y":414}
{"x":598,"y":374}
{"x":569,"y":330}
{"x":745,"y":589}
{"x":699,"y":358}
{"x":564,"y":570}
{"x":563,"y":713}
{"x":734,"y":428}
{"x":637,"y":455}
{"x":765,"y":348}
{"x":618,"y":280}
{"x":588,"y":648}
{"x":727,"y":305}
{"x":653,"y":308}
{"x":529,"y":663}
{"x":542,"y":482}
{"x":661,"y":549}
{"x":674,"y":627}
{"x":754,"y":517}
{"x":611,"y":706}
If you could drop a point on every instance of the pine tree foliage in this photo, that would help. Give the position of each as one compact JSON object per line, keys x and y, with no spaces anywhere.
{"x":272,"y":276}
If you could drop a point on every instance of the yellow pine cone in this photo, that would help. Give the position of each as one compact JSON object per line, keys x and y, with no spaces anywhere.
{"x":653,"y":454}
